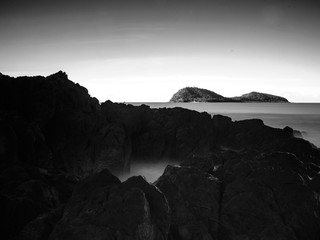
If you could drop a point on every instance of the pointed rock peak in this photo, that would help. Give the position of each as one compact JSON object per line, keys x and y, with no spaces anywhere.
{"x":59,"y":75}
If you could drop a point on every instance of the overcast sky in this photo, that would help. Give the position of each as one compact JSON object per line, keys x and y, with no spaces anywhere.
{"x":146,"y":50}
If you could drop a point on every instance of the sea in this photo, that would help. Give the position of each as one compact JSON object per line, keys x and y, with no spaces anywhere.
{"x":304,"y":117}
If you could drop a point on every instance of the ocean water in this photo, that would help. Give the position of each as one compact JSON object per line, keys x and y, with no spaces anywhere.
{"x":304,"y":117}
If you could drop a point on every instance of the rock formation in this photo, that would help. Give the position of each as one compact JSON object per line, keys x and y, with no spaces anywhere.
{"x":103,"y":208}
{"x":260,"y":97}
{"x":194,"y":94}
{"x":236,"y":180}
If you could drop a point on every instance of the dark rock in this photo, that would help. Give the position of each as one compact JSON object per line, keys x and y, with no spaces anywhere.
{"x":103,"y":208}
{"x":304,"y":150}
{"x":257,"y":196}
{"x":194,"y":198}
{"x":266,"y":196}
{"x":173,"y":134}
{"x":41,"y":227}
{"x":132,"y":118}
{"x":27,"y":193}
{"x":204,"y":163}
{"x":253,"y":133}
{"x":53,"y":123}
{"x":161,"y":134}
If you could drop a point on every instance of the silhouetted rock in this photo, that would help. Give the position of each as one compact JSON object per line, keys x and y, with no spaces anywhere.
{"x":103,"y":208}
{"x":252,"y":134}
{"x":161,"y":134}
{"x":51,"y":122}
{"x":256,"y":196}
{"x":194,"y":198}
{"x":266,"y":196}
{"x":50,"y":129}
{"x":27,"y":193}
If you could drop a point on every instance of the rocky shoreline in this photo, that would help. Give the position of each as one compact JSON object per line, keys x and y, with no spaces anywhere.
{"x":61,"y":151}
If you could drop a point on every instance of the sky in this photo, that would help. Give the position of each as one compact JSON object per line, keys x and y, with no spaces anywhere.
{"x":146,"y":50}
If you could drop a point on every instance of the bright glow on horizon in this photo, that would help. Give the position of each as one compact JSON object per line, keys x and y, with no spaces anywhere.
{"x":156,"y":79}
{"x":140,"y":53}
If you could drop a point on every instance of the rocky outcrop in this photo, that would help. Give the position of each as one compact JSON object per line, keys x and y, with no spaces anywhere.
{"x":267,"y":196}
{"x":51,"y":133}
{"x":53,"y":123}
{"x":194,"y":94}
{"x":242,"y":195}
{"x":162,"y":134}
{"x":193,"y":196}
{"x":236,"y":180}
{"x":103,"y":208}
{"x":32,"y":200}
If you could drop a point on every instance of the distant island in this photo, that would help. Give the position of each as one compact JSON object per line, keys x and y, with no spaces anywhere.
{"x":194,"y":94}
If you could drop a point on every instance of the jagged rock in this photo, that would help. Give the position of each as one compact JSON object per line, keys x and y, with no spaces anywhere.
{"x":252,"y":133}
{"x":194,"y":198}
{"x":162,"y":134}
{"x":30,"y":195}
{"x":266,"y":197}
{"x":132,"y":118}
{"x":103,"y":208}
{"x":55,"y":124}
{"x":260,"y":196}
{"x":305,"y":151}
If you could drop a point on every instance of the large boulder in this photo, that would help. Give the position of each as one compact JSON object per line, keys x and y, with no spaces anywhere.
{"x":243,"y":194}
{"x":103,"y":208}
{"x":27,"y":193}
{"x":265,"y":196}
{"x":194,"y":198}
{"x":53,"y":123}
{"x":173,"y":134}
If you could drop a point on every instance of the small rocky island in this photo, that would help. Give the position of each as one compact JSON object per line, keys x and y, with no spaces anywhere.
{"x":194,"y":94}
{"x":62,"y":152}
